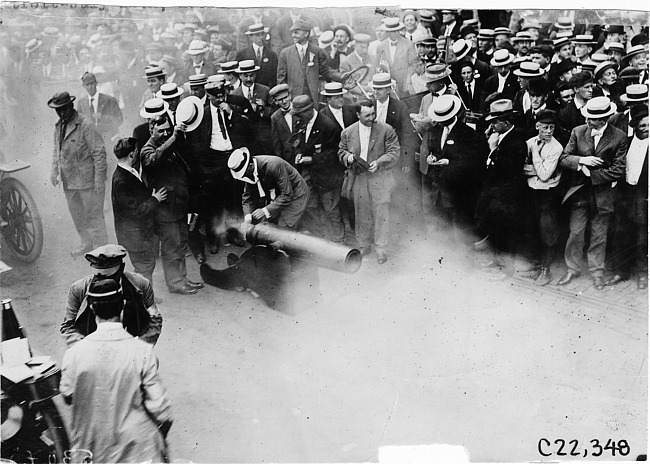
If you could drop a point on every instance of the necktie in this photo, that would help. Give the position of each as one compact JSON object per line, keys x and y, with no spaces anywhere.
{"x":469,"y":92}
{"x":62,"y":134}
{"x":259,"y":56}
{"x":301,"y":51}
{"x":596,"y":134}
{"x":222,"y":124}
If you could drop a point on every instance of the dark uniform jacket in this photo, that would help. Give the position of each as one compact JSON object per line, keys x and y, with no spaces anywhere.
{"x":140,"y":318}
{"x":133,"y":209}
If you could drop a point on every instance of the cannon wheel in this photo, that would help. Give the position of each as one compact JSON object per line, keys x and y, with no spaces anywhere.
{"x":22,"y":227}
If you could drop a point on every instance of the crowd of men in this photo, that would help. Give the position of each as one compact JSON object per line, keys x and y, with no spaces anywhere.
{"x":525,"y":140}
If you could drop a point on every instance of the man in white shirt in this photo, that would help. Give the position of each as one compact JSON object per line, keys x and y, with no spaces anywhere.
{"x":630,"y":244}
{"x":374,"y":181}
{"x":543,"y":178}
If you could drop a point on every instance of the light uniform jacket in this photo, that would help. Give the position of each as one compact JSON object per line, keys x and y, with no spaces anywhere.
{"x":80,"y":159}
{"x":117,"y":399}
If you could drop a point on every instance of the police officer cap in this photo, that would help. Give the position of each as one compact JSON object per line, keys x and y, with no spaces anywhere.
{"x":106,"y":256}
{"x":105,"y":290}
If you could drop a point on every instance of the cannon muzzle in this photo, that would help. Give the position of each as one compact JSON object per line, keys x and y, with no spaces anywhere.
{"x":314,"y":250}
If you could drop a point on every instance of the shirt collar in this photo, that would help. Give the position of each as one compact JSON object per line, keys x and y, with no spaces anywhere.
{"x":257,"y":48}
{"x":104,"y":326}
{"x":335,"y":110}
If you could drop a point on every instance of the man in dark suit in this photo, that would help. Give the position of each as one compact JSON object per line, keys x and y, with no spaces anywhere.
{"x":500,"y":207}
{"x":342,"y":115}
{"x":315,"y":148}
{"x":451,"y":24}
{"x":302,"y":64}
{"x":464,"y":52}
{"x":594,"y":160}
{"x":630,"y":244}
{"x":133,"y":208}
{"x":376,"y":144}
{"x":163,"y":166}
{"x":504,"y":81}
{"x":281,"y":123}
{"x":469,"y":89}
{"x":452,"y":159}
{"x":103,"y":110}
{"x":258,"y":96}
{"x":263,"y":56}
{"x":571,"y":115}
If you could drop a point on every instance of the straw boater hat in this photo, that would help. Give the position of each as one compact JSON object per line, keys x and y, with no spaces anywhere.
{"x":604,"y":66}
{"x":444,"y":108}
{"x":333,"y":89}
{"x":501,"y":57}
{"x":435,"y":72}
{"x":216,"y":88}
{"x":532,"y":23}
{"x":522,"y":37}
{"x":362,"y":38}
{"x":502,"y":30}
{"x":615,"y":47}
{"x":486,"y":34}
{"x":561,"y":42}
{"x":564,"y":34}
{"x":238,"y":162}
{"x":154,"y":107}
{"x":247,"y":66}
{"x":500,"y":109}
{"x":598,"y":108}
{"x":198,"y":80}
{"x":229,"y":67}
{"x":325,"y":38}
{"x":381,"y":81}
{"x":632,"y":51}
{"x":33,"y":45}
{"x":528,"y":69}
{"x":461,"y":48}
{"x":564,"y":22}
{"x":197,"y":47}
{"x":255,"y":29}
{"x":190,"y":112}
{"x":393,"y":25}
{"x":427,"y":16}
{"x":635,"y":93}
{"x":169,"y":91}
{"x":154,"y":71}
{"x":584,"y":39}
{"x":60,"y":99}
{"x":599,"y":57}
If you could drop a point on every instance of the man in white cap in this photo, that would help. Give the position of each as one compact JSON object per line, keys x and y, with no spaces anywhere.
{"x":264,"y":57}
{"x":273,"y":191}
{"x":302,"y":64}
{"x":451,"y":166}
{"x":197,"y":50}
{"x":281,"y":122}
{"x":374,"y":181}
{"x":594,"y":161}
{"x":397,"y":56}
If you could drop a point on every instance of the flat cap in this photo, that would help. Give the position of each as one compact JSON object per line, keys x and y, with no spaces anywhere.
{"x":278,"y":89}
{"x":106,"y":256}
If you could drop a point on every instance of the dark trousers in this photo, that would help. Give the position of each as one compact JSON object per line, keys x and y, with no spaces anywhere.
{"x":629,"y":251}
{"x":546,"y":204}
{"x":144,"y":262}
{"x":87,"y":210}
{"x":323,"y":208}
{"x":598,"y":224}
{"x":173,"y":243}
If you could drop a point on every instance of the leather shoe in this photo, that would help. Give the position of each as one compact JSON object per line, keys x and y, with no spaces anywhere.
{"x":82,"y":250}
{"x":184,"y":290}
{"x":566,"y":278}
{"x":599,"y":283}
{"x":642,"y":282}
{"x":200,"y":258}
{"x":544,"y":277}
{"x":191,"y":284}
{"x":381,"y":257}
{"x":613,"y":280}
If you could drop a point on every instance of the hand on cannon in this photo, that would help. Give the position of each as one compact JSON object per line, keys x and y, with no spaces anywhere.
{"x":258,"y":216}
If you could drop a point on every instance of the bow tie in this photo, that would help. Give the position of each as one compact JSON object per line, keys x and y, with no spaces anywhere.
{"x":392,"y":44}
{"x":597,"y":132}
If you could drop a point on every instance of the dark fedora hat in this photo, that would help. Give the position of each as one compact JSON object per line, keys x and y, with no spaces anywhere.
{"x":300,"y":104}
{"x":60,"y":99}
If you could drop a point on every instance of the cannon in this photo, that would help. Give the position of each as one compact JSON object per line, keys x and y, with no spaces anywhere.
{"x":282,"y":266}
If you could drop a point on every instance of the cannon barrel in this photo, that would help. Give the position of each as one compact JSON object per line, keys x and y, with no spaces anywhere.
{"x":314,"y":250}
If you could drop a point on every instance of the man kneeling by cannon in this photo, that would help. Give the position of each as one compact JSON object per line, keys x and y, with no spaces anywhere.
{"x":282,"y":266}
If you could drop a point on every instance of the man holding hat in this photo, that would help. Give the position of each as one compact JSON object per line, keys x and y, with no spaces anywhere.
{"x":273,"y":190}
{"x":315,"y":143}
{"x":594,"y":160}
{"x":141,"y":316}
{"x":451,"y":164}
{"x":265,"y":58}
{"x":630,"y":244}
{"x":302,"y":64}
{"x":79,"y":164}
{"x":372,"y":163}
{"x":543,"y":180}
{"x":120,"y":410}
{"x":397,"y":56}
{"x":436,"y":77}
